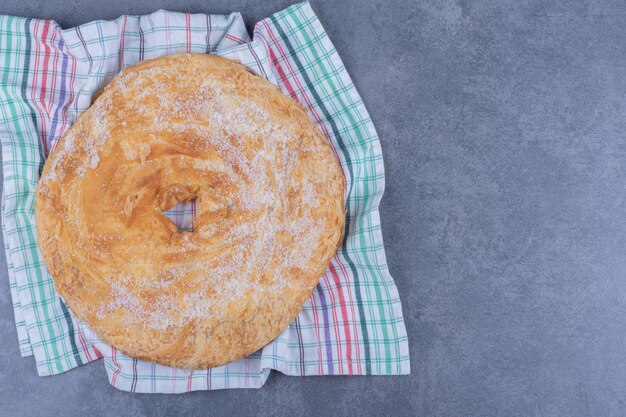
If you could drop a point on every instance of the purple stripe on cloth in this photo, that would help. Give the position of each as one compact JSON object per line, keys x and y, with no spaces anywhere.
{"x":326,"y":325}
{"x":62,"y":94}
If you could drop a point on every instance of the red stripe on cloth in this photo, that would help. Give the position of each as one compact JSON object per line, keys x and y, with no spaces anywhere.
{"x":89,"y":58}
{"x":44,"y":79}
{"x":55,"y":63}
{"x":58,"y":109}
{"x":121,"y":64}
{"x":97,"y":352}
{"x":46,"y":61}
{"x":173,"y":381}
{"x":305,"y":97}
{"x":189,"y":380}
{"x":355,"y":330}
{"x":117,"y":364}
{"x":188,"y":31}
{"x":283,"y":77}
{"x":34,"y":83}
{"x":83,"y":342}
{"x":344,"y":314}
{"x":297,"y":81}
{"x":333,"y":310}
{"x":72,"y":77}
{"x":291,"y":92}
{"x":234,"y":38}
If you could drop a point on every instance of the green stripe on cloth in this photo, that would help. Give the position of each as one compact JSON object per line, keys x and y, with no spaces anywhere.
{"x":71,"y":333}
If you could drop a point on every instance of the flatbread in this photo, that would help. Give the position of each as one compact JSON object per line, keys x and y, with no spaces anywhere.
{"x":270,"y":211}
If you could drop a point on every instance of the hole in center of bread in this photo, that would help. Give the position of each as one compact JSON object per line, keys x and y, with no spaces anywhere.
{"x":183,"y":214}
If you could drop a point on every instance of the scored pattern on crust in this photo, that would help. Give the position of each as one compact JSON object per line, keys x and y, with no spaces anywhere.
{"x":270,"y":195}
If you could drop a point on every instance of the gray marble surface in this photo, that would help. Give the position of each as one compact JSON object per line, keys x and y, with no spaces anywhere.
{"x":503,"y":129}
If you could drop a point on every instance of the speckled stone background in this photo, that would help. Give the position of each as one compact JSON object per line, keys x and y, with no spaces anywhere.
{"x":503,"y":126}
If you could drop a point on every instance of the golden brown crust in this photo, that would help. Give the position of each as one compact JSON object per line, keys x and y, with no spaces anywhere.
{"x":270,"y":211}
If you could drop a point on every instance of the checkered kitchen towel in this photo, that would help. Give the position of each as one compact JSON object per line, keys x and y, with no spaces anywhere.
{"x":351,"y":325}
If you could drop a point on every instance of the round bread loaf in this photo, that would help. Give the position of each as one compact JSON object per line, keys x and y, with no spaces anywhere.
{"x":270,"y":211}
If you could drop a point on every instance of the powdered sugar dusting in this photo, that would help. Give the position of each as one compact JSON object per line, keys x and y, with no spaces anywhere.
{"x":255,"y":220}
